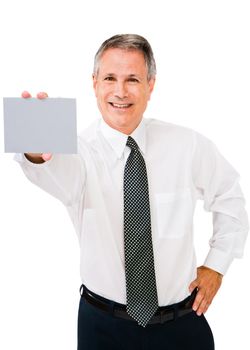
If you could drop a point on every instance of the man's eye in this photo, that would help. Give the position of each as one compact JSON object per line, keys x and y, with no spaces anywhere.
{"x":133,"y":80}
{"x":109,"y":79}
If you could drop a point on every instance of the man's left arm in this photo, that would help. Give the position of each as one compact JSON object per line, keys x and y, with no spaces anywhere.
{"x":217,"y":184}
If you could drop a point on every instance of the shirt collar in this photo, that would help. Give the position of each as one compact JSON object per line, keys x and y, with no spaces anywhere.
{"x":117,"y":140}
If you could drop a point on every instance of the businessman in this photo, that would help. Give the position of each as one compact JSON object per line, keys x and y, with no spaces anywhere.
{"x":131,"y":192}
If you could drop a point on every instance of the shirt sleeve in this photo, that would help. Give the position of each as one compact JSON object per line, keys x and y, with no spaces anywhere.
{"x":217,"y":183}
{"x":63,"y":176}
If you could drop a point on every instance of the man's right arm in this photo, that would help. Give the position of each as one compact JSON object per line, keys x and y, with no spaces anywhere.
{"x":62,"y":176}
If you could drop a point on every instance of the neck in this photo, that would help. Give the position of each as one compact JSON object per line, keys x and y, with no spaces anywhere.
{"x":127,"y":130}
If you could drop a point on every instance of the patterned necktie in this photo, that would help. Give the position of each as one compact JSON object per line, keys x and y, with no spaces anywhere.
{"x":142,"y":300}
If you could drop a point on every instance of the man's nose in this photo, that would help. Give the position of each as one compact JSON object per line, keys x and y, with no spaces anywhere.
{"x":121,"y":90}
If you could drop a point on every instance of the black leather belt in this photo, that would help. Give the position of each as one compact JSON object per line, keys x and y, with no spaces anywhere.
{"x":162,"y":315}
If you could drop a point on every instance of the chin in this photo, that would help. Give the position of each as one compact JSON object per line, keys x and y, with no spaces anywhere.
{"x":119,"y":120}
{"x":123,"y":123}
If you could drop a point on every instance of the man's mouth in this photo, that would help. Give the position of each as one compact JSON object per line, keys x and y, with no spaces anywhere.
{"x":120,"y":105}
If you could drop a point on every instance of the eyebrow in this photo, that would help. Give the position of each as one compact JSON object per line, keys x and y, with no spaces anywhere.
{"x":129,"y":76}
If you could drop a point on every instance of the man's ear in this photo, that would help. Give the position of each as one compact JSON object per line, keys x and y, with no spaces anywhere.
{"x":151,"y":84}
{"x":94,"y":81}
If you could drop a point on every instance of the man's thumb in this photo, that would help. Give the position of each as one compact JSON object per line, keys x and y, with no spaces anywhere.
{"x":46,"y":156}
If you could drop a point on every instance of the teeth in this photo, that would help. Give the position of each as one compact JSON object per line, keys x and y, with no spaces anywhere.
{"x":120,"y":106}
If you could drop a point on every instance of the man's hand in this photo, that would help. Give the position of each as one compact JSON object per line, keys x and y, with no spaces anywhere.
{"x":37,"y":157}
{"x":208,"y":283}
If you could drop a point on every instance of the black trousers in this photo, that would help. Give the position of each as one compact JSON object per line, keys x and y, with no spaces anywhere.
{"x":99,"y":330}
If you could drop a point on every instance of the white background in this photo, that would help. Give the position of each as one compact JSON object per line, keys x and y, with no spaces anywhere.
{"x":202,"y":53}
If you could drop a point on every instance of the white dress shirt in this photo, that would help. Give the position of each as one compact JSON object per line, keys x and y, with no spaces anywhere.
{"x":182,"y":166}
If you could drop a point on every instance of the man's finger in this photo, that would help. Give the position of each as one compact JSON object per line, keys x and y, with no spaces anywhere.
{"x":198,"y":300}
{"x":42,"y":95}
{"x":26,"y":94}
{"x":46,"y":156}
{"x":202,"y":307}
{"x":193,"y":285}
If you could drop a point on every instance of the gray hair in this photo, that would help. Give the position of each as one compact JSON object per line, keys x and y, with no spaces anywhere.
{"x":128,"y":42}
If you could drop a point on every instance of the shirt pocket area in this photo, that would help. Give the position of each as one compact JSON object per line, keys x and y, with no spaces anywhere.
{"x":174,"y":213}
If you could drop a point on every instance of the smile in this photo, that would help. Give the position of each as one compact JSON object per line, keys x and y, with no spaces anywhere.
{"x":121,"y":106}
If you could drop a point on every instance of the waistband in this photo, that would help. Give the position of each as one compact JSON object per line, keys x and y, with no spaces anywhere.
{"x":162,"y":315}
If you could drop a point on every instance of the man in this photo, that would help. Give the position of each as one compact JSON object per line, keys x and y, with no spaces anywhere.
{"x":131,"y":194}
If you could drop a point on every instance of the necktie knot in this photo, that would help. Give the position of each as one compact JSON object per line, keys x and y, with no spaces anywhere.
{"x":132,"y":144}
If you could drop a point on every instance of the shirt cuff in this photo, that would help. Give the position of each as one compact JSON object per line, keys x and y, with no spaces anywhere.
{"x":218,"y":260}
{"x":18,"y":157}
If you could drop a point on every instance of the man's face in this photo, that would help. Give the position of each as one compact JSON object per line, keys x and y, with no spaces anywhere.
{"x":122,"y":88}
